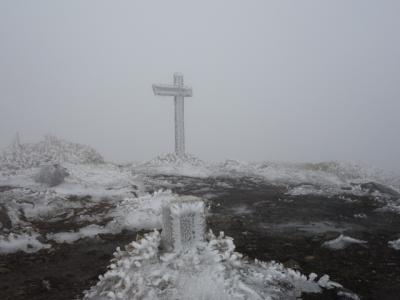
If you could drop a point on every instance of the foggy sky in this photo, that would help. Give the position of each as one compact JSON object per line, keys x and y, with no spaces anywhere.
{"x":272,"y":80}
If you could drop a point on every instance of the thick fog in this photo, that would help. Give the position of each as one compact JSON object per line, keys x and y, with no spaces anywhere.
{"x":272,"y":80}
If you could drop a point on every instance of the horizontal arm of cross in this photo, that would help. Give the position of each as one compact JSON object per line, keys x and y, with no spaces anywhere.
{"x":172,"y":90}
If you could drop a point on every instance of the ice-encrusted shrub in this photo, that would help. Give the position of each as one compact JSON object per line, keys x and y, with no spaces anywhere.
{"x":211,"y":270}
{"x":49,"y":151}
{"x":51,"y":175}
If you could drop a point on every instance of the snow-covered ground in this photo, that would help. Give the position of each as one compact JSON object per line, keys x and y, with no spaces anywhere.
{"x":101,"y":197}
{"x":326,"y":177}
{"x":106,"y":198}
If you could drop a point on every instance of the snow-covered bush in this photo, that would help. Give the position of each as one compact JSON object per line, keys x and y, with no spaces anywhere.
{"x":51,"y":175}
{"x":50,"y":151}
{"x":211,"y":270}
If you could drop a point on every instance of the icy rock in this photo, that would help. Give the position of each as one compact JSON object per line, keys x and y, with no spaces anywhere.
{"x":51,"y":175}
{"x":183,"y":223}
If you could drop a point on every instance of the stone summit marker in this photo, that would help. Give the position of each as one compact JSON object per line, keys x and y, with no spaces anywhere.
{"x":179,"y":91}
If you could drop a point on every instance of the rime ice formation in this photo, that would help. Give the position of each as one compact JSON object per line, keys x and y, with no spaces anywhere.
{"x":185,"y":263}
{"x":211,"y":270}
{"x":183,"y":223}
{"x":50,"y":151}
{"x":179,"y":91}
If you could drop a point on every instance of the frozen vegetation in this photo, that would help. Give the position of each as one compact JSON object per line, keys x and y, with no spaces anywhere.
{"x":211,"y":270}
{"x":49,"y":151}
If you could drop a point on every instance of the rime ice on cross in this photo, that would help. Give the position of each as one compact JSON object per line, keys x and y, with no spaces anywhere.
{"x":179,"y":91}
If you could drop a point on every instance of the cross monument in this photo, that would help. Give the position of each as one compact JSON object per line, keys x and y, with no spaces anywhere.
{"x":179,"y":91}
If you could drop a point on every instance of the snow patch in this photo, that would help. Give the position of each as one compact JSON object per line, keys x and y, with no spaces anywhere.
{"x":21,"y":242}
{"x":89,"y":231}
{"x":342,"y":242}
{"x":171,"y":164}
{"x":348,"y":295}
{"x":395,"y":244}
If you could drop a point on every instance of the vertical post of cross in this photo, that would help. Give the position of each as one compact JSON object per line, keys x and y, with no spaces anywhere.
{"x":179,"y":117}
{"x":179,"y":91}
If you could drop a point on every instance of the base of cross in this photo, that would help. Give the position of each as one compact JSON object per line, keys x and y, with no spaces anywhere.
{"x":183,"y":223}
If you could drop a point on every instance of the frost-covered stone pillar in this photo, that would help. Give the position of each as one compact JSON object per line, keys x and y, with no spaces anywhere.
{"x":183,"y":223}
{"x":179,"y":91}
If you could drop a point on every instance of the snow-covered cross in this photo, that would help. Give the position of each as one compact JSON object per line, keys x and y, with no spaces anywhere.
{"x":179,"y":91}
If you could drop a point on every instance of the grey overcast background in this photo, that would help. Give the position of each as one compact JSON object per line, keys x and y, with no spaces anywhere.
{"x":272,"y":80}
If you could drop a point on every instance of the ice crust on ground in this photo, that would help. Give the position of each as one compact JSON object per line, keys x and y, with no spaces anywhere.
{"x":212,"y":270}
{"x":395,"y":244}
{"x":49,"y":151}
{"x":342,"y":242}
{"x":171,"y":164}
{"x":89,"y":231}
{"x":27,"y":242}
{"x":303,"y":178}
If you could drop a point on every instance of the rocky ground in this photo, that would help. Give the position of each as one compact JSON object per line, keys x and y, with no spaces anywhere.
{"x":266,"y":222}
